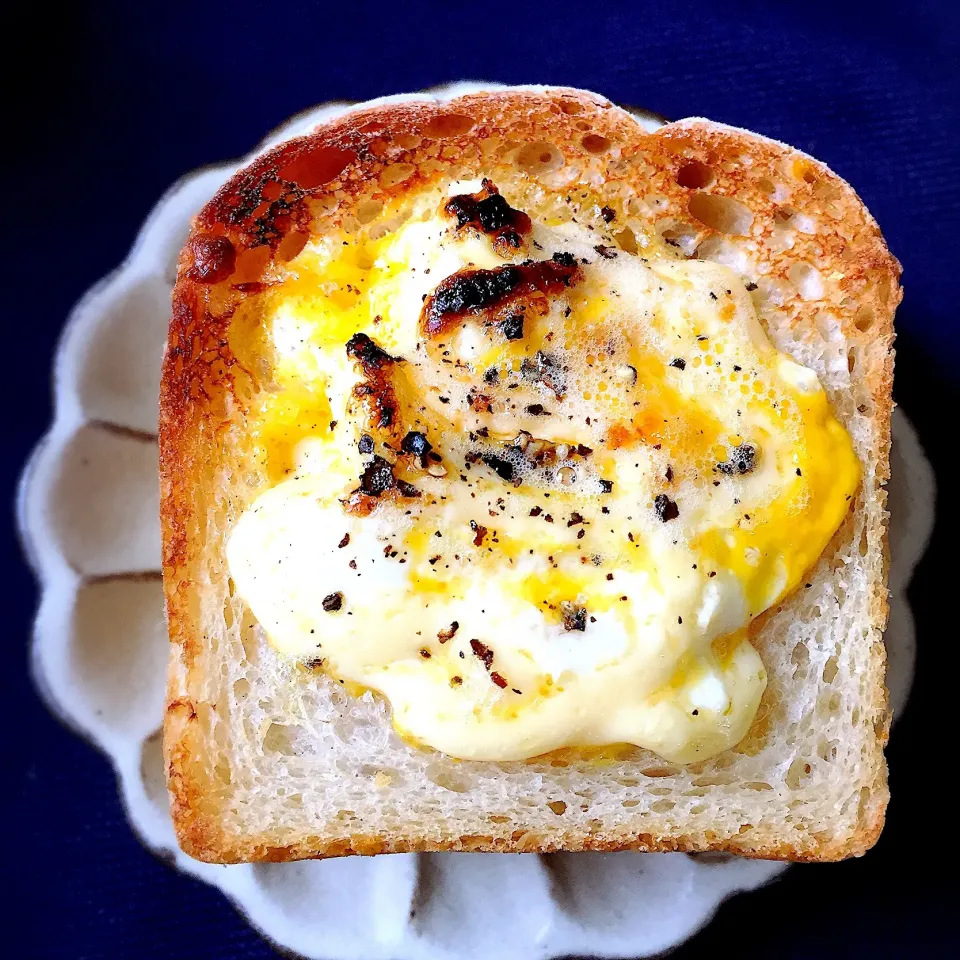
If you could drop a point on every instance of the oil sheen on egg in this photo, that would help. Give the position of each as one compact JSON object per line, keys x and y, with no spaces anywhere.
{"x":642,"y":475}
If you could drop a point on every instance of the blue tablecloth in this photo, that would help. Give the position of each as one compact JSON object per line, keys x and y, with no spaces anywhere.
{"x":113,"y":101}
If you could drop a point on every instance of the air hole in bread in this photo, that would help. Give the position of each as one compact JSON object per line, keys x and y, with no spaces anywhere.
{"x":397,"y":173}
{"x":827,"y":750}
{"x":656,"y":203}
{"x":662,"y":806}
{"x":800,"y":655}
{"x":864,"y":319}
{"x":228,"y":614}
{"x":830,"y":670}
{"x":864,"y":545}
{"x":851,"y":360}
{"x":315,"y":166}
{"x":626,"y":240}
{"x":695,"y":175}
{"x":798,"y":771}
{"x":714,"y":780}
{"x":538,"y":158}
{"x":291,"y":246}
{"x":279,"y":738}
{"x":801,"y":169}
{"x":758,"y":785}
{"x":448,"y":125}
{"x":783,"y":215}
{"x":594,"y":826}
{"x":807,"y":279}
{"x":498,"y":818}
{"x":571,"y":107}
{"x":723,"y":214}
{"x":660,"y":772}
{"x":241,"y":688}
{"x":368,"y":210}
{"x":595,"y":144}
{"x":629,"y":803}
{"x":681,"y":236}
{"x":558,"y":807}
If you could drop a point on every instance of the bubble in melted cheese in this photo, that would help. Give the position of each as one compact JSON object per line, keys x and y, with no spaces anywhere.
{"x":669,"y":476}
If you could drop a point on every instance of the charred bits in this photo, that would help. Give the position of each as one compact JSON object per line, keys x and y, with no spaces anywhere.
{"x":214,"y":258}
{"x":504,"y":469}
{"x":375,"y":391}
{"x":665,"y":508}
{"x":416,"y":443}
{"x":447,"y":633}
{"x":574,"y":616}
{"x":487,"y":212}
{"x":512,"y":327}
{"x":332,"y":602}
{"x":368,"y":353}
{"x":377,"y":477}
{"x":742,"y":459}
{"x":495,"y":294}
{"x":376,"y":482}
{"x":482,"y":652}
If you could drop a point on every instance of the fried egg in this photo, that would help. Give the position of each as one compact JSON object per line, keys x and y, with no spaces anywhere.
{"x":529,"y":487}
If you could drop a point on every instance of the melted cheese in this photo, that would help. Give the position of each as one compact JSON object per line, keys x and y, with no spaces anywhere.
{"x":666,"y":373}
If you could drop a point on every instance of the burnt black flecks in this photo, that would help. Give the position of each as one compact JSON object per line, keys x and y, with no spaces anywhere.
{"x":370,"y":355}
{"x":332,"y":602}
{"x":416,"y":443}
{"x":665,"y":508}
{"x":742,"y":459}
{"x":512,"y":327}
{"x":377,"y":477}
{"x":502,"y":468}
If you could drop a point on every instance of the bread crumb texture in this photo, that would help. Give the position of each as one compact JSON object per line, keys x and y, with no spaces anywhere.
{"x":269,"y":759}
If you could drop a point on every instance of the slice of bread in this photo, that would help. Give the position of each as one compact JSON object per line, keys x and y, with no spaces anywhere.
{"x":269,"y":760}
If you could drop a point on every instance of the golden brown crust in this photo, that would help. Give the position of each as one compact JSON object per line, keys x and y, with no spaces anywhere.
{"x":211,"y":846}
{"x":263,"y":216}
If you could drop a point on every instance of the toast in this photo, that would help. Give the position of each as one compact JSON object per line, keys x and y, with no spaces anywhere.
{"x":268,"y":759}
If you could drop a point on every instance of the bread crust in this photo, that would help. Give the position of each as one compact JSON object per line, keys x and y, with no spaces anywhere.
{"x":383,"y":152}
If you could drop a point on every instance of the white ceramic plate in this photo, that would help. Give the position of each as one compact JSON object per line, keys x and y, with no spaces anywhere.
{"x":88,"y":511}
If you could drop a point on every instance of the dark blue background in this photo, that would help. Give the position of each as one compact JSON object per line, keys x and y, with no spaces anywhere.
{"x":110,"y":103}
